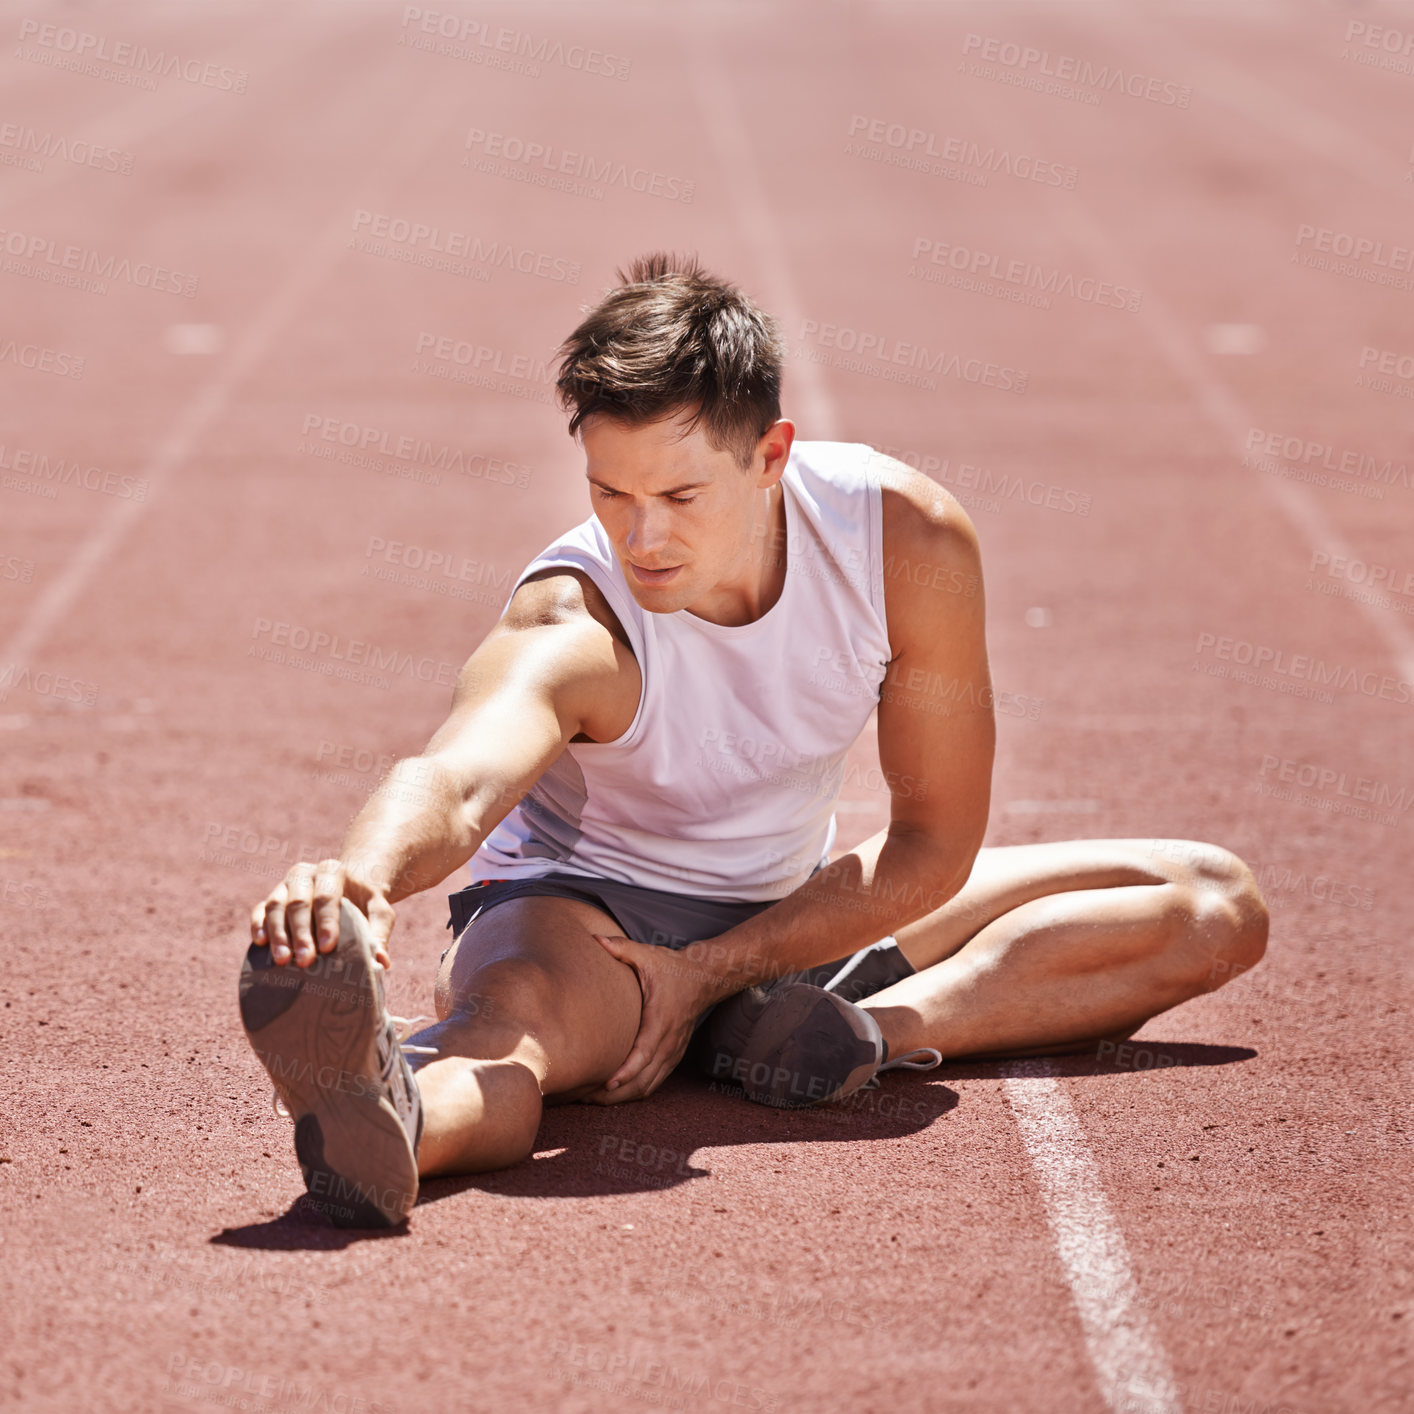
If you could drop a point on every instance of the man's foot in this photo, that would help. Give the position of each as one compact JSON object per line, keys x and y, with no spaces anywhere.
{"x":796,"y":1044}
{"x":325,"y":1036}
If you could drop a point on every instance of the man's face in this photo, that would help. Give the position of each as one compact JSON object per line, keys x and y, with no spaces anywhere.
{"x":685,"y":520}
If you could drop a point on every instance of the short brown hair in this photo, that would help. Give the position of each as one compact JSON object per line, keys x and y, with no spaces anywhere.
{"x":674,"y":339}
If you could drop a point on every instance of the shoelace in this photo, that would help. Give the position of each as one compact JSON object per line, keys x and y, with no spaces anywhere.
{"x":403,"y":1026}
{"x":906,"y":1062}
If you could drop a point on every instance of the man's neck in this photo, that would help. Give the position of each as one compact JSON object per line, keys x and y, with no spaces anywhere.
{"x":763,"y":579}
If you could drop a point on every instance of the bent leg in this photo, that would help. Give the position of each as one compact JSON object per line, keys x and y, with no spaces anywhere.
{"x":1053,"y":947}
{"x":529,"y":1006}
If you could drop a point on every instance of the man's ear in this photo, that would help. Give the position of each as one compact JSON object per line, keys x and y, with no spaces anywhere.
{"x":773,"y":449}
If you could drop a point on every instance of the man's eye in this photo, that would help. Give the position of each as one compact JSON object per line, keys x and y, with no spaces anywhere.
{"x":682,"y":500}
{"x":605,"y":492}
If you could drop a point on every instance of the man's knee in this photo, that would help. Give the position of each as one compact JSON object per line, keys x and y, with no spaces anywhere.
{"x":509,"y":989}
{"x":1229,"y":922}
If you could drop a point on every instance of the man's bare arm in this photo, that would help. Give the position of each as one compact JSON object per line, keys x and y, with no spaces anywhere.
{"x":936,"y":740}
{"x":937,"y":736}
{"x":551,"y":670}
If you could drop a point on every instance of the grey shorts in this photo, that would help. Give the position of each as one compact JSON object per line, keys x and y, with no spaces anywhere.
{"x":669,"y":920}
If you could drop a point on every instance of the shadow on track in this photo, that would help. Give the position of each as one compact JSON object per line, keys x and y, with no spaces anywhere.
{"x":588,"y":1151}
{"x":1122,"y":1058}
{"x":302,"y":1227}
{"x":596,"y":1150}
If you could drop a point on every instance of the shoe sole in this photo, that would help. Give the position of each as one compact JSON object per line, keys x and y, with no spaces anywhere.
{"x":316,"y":1032}
{"x":807,"y":1047}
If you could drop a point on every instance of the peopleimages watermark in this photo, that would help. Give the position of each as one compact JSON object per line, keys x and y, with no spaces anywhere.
{"x":1270,"y":876}
{"x":1328,"y":789}
{"x":453,"y":252}
{"x":1379,"y":46}
{"x":965,"y":268}
{"x":437,"y":571}
{"x":1384,"y":586}
{"x":14,"y":568}
{"x":514,"y":50}
{"x":963,"y":478}
{"x":1296,"y":674}
{"x":253,"y":851}
{"x":1353,"y":256}
{"x":578,"y":173}
{"x":342,"y":763}
{"x":1012,"y":64}
{"x":17,"y":894}
{"x":360,"y":445}
{"x":81,"y":51}
{"x":39,"y":257}
{"x":956,"y":158}
{"x":750,"y":1292}
{"x":922,"y":691}
{"x":214,"y":1382}
{"x":482,"y":366}
{"x":895,"y":361}
{"x":24,"y":146}
{"x":1307,"y":459}
{"x":39,"y":474}
{"x":322,"y":651}
{"x":634,"y":1373}
{"x":1138,"y":1398}
{"x":39,"y":358}
{"x":1386,"y":371}
{"x":765,"y":760}
{"x":43,"y":682}
{"x":643,"y":1164}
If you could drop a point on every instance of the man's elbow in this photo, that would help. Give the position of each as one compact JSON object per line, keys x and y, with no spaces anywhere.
{"x":948,"y":851}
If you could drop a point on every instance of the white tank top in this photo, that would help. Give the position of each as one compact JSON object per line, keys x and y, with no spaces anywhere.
{"x":725,"y":783}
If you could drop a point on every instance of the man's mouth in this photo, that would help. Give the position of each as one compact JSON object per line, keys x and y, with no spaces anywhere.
{"x":645,"y":576}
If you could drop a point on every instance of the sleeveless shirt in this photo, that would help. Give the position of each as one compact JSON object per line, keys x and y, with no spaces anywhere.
{"x":724,"y":784}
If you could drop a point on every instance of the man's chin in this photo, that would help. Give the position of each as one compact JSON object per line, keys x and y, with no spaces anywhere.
{"x":665,"y":600}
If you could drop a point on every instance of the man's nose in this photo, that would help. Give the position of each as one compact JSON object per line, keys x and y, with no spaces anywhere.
{"x":648,"y":530}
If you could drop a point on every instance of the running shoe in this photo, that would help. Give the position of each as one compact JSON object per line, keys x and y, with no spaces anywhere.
{"x":795,"y":1044}
{"x":332,"y":1051}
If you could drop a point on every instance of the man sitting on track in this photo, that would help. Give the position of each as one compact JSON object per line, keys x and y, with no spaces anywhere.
{"x":641,"y":764}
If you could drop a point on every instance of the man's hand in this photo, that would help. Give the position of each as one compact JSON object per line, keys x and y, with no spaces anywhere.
{"x":675,"y":993}
{"x":302,"y":911}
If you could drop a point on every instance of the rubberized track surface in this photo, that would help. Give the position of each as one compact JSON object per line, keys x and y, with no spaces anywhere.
{"x":1180,"y":516}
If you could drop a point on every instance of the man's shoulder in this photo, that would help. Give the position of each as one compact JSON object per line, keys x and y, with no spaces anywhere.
{"x":919,"y":514}
{"x":932,"y":562}
{"x":561,"y":595}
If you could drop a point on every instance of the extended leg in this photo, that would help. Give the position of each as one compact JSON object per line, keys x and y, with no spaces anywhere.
{"x":1052,"y":947}
{"x":529,"y":1006}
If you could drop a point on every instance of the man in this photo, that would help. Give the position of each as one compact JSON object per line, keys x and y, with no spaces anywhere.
{"x":641,"y":763}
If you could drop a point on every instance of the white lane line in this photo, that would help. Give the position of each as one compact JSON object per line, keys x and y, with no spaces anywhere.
{"x":720,"y":109}
{"x":1234,"y":420}
{"x":1133,"y":1371}
{"x":1241,"y":91}
{"x":212,"y":399}
{"x":128,"y":123}
{"x":1131,"y":1366}
{"x":1223,"y":409}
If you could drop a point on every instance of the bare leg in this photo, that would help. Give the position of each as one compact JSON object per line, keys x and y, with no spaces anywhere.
{"x":528,"y":1006}
{"x":1052,"y":947}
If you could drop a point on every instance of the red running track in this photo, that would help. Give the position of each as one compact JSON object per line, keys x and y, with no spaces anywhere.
{"x":1183,"y":228}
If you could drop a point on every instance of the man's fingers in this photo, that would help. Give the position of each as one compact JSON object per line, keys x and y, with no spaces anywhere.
{"x":381,"y":917}
{"x":328,"y":891}
{"x":299,"y":906}
{"x":636,"y":1059}
{"x":275,"y":933}
{"x":619,"y":946}
{"x":639,"y":1088}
